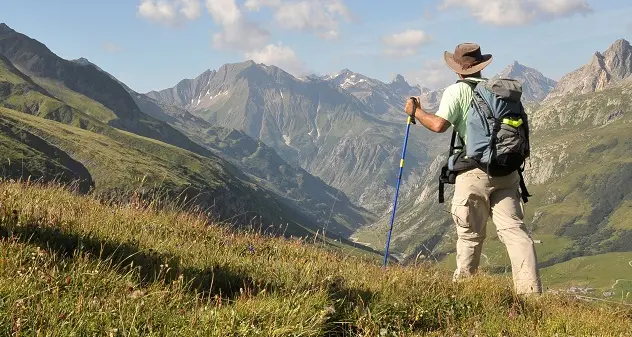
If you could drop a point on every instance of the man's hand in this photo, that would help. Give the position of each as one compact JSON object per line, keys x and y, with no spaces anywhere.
{"x":411,"y":105}
{"x":430,"y":121}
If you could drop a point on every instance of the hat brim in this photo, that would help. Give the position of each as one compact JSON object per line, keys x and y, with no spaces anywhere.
{"x":449,"y":60}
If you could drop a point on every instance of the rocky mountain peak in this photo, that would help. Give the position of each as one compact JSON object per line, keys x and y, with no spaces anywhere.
{"x":401,"y":87}
{"x":248,"y":63}
{"x":514,"y":69}
{"x":611,"y":66}
{"x":535,"y":85}
{"x":618,"y":59}
{"x":85,"y":62}
{"x":347,"y":79}
{"x":5,"y":28}
{"x":399,"y":79}
{"x":619,"y":46}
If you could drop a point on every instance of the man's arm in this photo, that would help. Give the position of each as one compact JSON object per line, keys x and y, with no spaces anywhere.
{"x":432,"y":122}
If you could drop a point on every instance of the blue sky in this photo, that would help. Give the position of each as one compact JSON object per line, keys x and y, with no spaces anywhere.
{"x":153,"y":44}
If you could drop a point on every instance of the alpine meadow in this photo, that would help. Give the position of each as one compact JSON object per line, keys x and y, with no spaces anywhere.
{"x":255,"y":200}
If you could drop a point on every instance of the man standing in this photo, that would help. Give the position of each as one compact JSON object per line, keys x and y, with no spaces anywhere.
{"x":477,"y":195}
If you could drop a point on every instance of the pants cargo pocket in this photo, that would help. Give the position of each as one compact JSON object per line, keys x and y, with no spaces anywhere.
{"x":461,"y":211}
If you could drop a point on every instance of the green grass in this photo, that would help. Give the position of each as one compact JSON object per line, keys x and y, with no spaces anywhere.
{"x":28,"y":96}
{"x":82,"y":103}
{"x":115,"y":162}
{"x":620,"y":219}
{"x":600,"y":272}
{"x":26,"y":155}
{"x":70,"y":265}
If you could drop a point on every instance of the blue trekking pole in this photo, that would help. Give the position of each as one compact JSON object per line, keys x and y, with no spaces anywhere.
{"x":411,"y":120}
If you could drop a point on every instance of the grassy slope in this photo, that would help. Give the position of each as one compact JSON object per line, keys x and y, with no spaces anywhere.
{"x":78,"y":101}
{"x":606,"y":272}
{"x":19,"y":92}
{"x":120,"y":162}
{"x":86,"y":88}
{"x":43,"y":161}
{"x":74,"y":266}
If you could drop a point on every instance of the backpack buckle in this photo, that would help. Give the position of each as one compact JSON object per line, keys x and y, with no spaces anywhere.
{"x":513,"y":122}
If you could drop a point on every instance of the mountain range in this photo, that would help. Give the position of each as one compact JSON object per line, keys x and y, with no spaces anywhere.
{"x":316,"y":154}
{"x":117,"y":148}
{"x":325,"y":125}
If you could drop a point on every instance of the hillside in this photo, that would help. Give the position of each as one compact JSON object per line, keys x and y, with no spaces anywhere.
{"x":131,"y":164}
{"x":24,"y":154}
{"x":86,"y":88}
{"x":88,"y":268}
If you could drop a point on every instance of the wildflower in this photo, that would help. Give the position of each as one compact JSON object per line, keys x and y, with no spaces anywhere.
{"x":137,"y":294}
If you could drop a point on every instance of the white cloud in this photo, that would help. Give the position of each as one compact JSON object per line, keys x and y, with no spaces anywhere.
{"x":281,"y":56}
{"x":320,"y":17}
{"x":111,"y":47}
{"x":407,"y":38}
{"x":433,"y":74}
{"x":237,"y":32}
{"x":405,"y":43}
{"x":519,"y":12}
{"x":224,"y":12}
{"x":170,"y":12}
{"x":255,"y":5}
{"x":191,"y":9}
{"x":404,"y":52}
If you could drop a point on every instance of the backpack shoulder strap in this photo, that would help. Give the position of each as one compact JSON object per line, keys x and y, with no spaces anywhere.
{"x":469,"y":82}
{"x":480,"y":102}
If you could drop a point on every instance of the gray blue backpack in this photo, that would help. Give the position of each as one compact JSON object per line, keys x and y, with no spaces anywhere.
{"x":497,"y":134}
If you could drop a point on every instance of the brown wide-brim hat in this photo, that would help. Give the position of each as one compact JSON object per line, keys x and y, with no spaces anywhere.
{"x":467,"y":59}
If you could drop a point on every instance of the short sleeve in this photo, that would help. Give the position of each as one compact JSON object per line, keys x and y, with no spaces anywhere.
{"x":449,"y":108}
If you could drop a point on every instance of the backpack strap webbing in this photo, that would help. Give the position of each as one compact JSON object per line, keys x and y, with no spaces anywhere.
{"x":523,"y":188}
{"x":442,"y":186}
{"x":444,"y":169}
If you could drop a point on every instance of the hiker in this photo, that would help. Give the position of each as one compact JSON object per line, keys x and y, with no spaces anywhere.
{"x":480,"y":193}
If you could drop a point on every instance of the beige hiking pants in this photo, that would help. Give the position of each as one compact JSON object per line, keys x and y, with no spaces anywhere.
{"x":476,"y":198}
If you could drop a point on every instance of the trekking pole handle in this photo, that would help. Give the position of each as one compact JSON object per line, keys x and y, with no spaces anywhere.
{"x":415,"y":106}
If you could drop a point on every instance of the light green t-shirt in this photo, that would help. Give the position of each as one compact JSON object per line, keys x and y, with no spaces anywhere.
{"x":454,"y":104}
